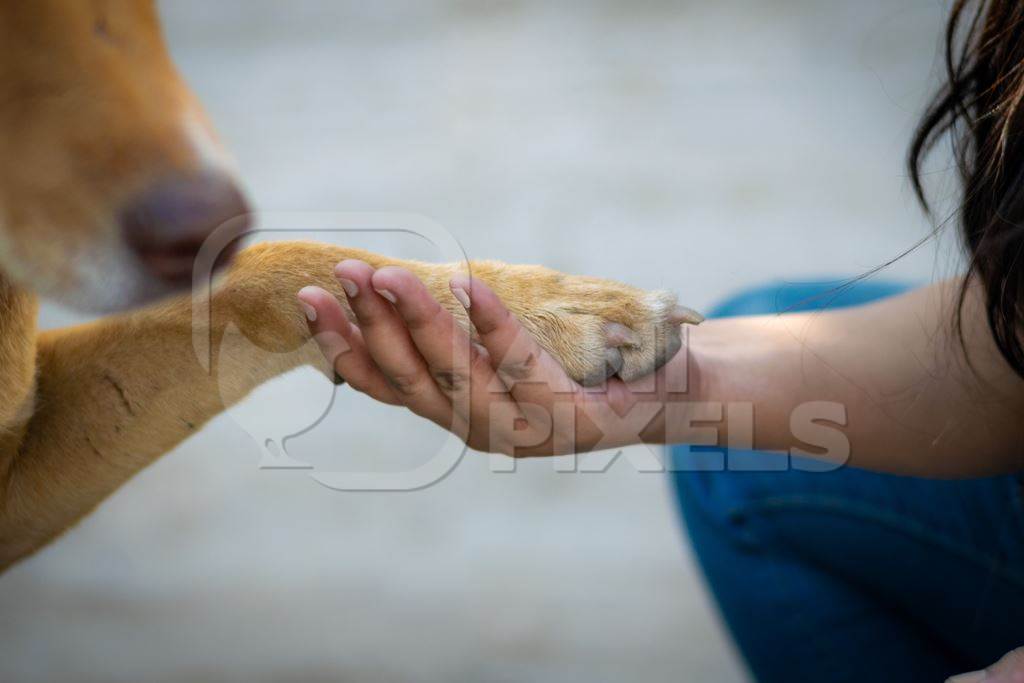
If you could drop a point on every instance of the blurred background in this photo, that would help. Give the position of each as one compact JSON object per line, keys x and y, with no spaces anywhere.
{"x":695,"y":146}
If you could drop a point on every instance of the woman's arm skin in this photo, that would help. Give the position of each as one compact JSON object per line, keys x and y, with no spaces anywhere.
{"x":913,"y":405}
{"x":1009,"y":669}
{"x":890,"y":377}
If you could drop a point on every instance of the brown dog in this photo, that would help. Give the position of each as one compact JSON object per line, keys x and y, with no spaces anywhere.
{"x":110,"y":182}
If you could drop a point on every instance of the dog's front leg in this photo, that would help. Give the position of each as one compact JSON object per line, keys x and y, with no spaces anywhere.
{"x":112,"y":396}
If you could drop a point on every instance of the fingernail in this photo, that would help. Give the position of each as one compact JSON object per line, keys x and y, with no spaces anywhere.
{"x":387,"y":295}
{"x":461,"y":295}
{"x":310,"y":312}
{"x":351,"y":289}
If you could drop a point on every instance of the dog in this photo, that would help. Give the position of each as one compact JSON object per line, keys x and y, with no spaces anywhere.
{"x":111,"y":181}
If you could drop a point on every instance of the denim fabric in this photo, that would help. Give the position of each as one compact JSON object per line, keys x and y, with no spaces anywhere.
{"x":850,"y":575}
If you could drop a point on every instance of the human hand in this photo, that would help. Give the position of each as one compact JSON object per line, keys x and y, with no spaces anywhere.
{"x":501,"y":392}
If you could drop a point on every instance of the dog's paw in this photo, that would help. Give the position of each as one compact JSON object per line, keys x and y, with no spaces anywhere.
{"x":595,"y":328}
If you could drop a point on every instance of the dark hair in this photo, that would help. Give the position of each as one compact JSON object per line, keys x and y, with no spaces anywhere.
{"x":980,"y":109}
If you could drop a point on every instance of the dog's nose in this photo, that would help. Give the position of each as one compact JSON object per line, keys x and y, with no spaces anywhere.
{"x":168,"y":224}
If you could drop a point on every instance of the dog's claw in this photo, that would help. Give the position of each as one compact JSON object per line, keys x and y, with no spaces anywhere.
{"x":613,"y":361}
{"x":681,"y":314}
{"x":620,"y":335}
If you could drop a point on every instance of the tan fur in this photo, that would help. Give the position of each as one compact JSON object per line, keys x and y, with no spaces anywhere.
{"x":92,"y":110}
{"x":86,"y":121}
{"x":112,"y":396}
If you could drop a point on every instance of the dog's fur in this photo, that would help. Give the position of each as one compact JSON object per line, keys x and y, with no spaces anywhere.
{"x":91,"y":111}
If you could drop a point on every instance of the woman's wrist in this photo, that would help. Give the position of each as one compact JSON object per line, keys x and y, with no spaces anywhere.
{"x":726,"y":366}
{"x":680,"y":387}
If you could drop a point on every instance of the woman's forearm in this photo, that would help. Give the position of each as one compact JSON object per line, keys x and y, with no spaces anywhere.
{"x":890,"y":380}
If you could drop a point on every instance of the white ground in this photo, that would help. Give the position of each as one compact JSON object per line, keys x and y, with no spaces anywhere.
{"x":698,"y":146}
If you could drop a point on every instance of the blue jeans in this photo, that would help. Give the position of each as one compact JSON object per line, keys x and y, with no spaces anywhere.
{"x":856,"y":576}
